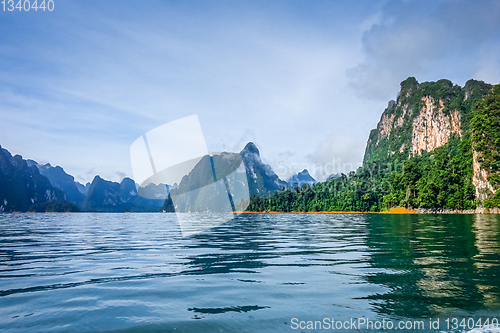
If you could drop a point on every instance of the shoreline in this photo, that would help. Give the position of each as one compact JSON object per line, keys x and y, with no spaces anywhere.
{"x":398,"y":210}
{"x":395,"y":211}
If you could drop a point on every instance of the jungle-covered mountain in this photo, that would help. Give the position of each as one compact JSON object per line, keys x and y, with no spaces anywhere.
{"x":436,"y":147}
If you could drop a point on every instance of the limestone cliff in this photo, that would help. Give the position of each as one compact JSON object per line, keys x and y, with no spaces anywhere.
{"x":426,"y":115}
{"x":423,"y":118}
{"x":431,"y":127}
{"x":484,"y":190}
{"x":485,"y":139}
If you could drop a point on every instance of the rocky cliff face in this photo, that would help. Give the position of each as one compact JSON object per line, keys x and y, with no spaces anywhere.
{"x":58,"y":178}
{"x":426,"y":116}
{"x":485,"y":139}
{"x":261,"y":177}
{"x":423,"y":118}
{"x":431,"y":127}
{"x":484,"y":190}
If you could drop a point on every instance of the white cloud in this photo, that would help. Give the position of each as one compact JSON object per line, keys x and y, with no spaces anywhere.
{"x":77,"y":89}
{"x":430,"y":40}
{"x":336,"y":155}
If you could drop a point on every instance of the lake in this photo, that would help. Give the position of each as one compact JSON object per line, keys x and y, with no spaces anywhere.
{"x":257,"y":273}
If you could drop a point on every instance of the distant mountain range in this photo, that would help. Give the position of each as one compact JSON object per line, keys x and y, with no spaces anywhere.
{"x":26,"y":185}
{"x":108,"y":196}
{"x":22,"y":186}
{"x":334,"y":176}
{"x":301,"y":178}
{"x":58,"y":178}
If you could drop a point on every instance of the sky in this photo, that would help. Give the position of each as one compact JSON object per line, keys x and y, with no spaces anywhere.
{"x":306,"y":81}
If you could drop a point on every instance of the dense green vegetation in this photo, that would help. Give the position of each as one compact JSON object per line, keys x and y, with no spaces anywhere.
{"x":440,"y":179}
{"x":394,"y":148}
{"x":485,"y":127}
{"x":391,"y":177}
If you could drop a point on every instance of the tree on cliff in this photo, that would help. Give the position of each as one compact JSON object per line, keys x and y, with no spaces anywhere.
{"x":485,"y":125}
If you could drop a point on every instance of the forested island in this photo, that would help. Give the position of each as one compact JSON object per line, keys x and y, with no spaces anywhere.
{"x":435,"y":148}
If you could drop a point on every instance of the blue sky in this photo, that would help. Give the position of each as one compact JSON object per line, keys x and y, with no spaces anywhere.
{"x":304,"y":80}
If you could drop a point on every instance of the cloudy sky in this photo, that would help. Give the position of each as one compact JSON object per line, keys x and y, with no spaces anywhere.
{"x":304,"y":80}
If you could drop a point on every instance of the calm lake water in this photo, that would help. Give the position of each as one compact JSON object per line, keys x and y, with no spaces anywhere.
{"x":136,"y":273}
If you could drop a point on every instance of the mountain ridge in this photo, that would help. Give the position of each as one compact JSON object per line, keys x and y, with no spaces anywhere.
{"x":61,"y":180}
{"x":108,"y":196}
{"x":102,"y":195}
{"x":22,"y":187}
{"x":301,"y":178}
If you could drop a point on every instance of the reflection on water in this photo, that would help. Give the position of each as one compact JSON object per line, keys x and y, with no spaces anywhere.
{"x":136,"y":273}
{"x":434,"y":265}
{"x":487,"y":234}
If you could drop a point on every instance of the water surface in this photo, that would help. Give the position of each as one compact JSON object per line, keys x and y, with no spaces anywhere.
{"x":136,"y":273}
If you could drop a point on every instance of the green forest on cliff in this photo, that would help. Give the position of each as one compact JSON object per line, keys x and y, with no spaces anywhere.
{"x":485,"y":126}
{"x":392,"y":177}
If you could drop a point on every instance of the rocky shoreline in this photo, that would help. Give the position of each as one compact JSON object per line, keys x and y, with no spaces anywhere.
{"x":479,"y":210}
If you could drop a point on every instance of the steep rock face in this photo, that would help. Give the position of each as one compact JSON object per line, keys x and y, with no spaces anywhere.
{"x":431,"y":127}
{"x":484,"y":190}
{"x":389,"y":121}
{"x":423,"y":118}
{"x":485,"y":138}
{"x":384,"y":127}
{"x":261,"y":177}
